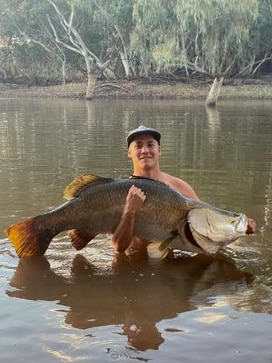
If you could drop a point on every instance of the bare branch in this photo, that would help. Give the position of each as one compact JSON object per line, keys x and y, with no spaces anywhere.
{"x":248,"y":69}
{"x":67,"y":46}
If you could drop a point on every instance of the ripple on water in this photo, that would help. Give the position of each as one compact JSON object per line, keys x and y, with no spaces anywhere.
{"x":8,"y":258}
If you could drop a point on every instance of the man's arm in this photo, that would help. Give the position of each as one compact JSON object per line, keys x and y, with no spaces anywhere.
{"x":123,"y":234}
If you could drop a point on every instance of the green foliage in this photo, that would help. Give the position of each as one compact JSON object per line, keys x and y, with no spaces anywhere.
{"x":212,"y":37}
{"x":206,"y":36}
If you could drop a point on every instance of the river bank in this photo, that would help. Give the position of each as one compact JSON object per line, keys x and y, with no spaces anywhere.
{"x":143,"y":89}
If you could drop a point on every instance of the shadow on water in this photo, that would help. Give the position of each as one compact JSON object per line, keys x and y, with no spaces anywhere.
{"x":135,"y":294}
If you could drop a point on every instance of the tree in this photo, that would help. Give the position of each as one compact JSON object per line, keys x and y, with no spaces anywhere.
{"x":115,"y":21}
{"x":73,"y":41}
{"x":154,"y":38}
{"x":35,"y":52}
{"x":205,"y":36}
{"x":211,"y":38}
{"x":56,"y":27}
{"x":259,"y":45}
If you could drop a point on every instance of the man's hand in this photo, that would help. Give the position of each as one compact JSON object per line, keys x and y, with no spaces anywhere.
{"x":123,"y":234}
{"x":134,"y":200}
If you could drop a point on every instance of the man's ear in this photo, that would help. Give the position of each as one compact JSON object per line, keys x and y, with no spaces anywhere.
{"x":129,"y":153}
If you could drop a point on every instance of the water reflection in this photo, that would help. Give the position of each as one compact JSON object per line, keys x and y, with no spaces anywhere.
{"x":225,"y":154}
{"x":133,"y":293}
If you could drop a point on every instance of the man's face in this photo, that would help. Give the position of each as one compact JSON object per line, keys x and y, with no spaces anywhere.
{"x":144,"y":151}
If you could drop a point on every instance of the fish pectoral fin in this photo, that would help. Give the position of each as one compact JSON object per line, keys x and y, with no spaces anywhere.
{"x":79,"y":239}
{"x":154,"y":251}
{"x":159,"y":249}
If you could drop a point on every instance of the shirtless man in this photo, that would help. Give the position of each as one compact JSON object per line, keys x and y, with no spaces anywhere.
{"x":144,"y":150}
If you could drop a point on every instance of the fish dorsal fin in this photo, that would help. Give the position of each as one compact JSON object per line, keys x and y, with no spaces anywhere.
{"x":82,"y":182}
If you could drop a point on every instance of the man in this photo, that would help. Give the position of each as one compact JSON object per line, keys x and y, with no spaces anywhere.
{"x":144,"y":150}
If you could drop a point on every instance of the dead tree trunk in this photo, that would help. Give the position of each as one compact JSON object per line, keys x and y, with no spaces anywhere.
{"x":94,"y":72}
{"x":92,"y":78}
{"x":214,"y":92}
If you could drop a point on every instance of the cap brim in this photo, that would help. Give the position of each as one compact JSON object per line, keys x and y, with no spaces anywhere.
{"x":155,"y":134}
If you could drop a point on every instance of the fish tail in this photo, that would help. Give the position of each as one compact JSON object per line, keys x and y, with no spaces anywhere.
{"x":29,"y":238}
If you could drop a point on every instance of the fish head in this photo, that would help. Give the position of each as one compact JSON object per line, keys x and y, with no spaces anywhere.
{"x":208,"y":230}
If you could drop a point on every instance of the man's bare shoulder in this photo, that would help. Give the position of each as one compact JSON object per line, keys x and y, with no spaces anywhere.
{"x":179,"y":185}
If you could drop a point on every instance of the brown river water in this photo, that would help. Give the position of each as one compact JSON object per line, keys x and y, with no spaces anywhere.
{"x":94,"y":306}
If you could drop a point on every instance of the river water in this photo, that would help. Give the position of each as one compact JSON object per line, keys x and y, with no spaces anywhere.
{"x":93,"y":306}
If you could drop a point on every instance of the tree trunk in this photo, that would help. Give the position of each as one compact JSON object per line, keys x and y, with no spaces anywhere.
{"x":92,"y":78}
{"x":214,"y":93}
{"x":126,"y":65}
{"x":104,"y":69}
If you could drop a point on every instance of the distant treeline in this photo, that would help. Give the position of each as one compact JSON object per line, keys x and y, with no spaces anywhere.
{"x":55,"y":41}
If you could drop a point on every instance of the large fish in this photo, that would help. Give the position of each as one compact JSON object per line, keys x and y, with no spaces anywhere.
{"x":95,"y":206}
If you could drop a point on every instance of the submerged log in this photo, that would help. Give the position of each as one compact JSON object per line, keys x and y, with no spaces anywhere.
{"x":214,"y":92}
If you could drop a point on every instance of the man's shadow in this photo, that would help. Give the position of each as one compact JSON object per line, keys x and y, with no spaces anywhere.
{"x":135,"y":294}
